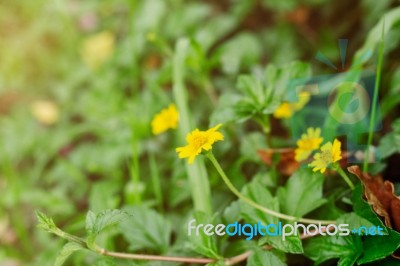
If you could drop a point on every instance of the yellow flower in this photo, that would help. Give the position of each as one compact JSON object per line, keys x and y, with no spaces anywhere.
{"x":308,"y":143}
{"x":283,"y":111}
{"x":46,"y":112}
{"x":304,"y":98}
{"x":164,"y":120}
{"x":329,"y":154}
{"x":97,"y":49}
{"x":286,"y":109}
{"x":198,"y":141}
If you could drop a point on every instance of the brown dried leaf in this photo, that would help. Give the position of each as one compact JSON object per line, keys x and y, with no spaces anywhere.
{"x":287,"y":165}
{"x":380,"y":195}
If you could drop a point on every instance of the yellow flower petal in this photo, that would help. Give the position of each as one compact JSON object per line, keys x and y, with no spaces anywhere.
{"x":287,"y":109}
{"x":283,"y":111}
{"x":308,"y":143}
{"x":329,"y":154}
{"x":97,"y":48}
{"x":198,"y":141}
{"x":304,"y":98}
{"x":167,"y":119}
{"x":46,"y":112}
{"x":336,"y":152}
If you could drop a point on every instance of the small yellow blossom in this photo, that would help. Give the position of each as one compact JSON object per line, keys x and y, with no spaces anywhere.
{"x":329,"y":154}
{"x":97,"y":49}
{"x":283,"y":111}
{"x":198,"y":141}
{"x":164,"y":120}
{"x":308,"y":143}
{"x":287,"y":109}
{"x":46,"y":112}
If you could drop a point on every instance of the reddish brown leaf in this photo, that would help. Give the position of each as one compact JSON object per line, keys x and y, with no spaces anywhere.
{"x":380,"y":195}
{"x":287,"y":165}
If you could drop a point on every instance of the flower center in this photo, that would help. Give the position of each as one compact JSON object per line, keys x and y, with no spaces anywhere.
{"x":200,"y":140}
{"x":326,"y":156}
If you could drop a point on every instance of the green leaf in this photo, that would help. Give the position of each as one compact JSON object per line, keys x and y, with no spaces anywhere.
{"x":390,"y":143}
{"x":256,"y":192}
{"x":291,"y":244}
{"x":232,"y":55}
{"x":354,"y":221}
{"x":390,"y":19}
{"x":203,"y":244}
{"x":302,"y":193}
{"x":251,"y":87}
{"x":363,"y":209}
{"x":45,"y":222}
{"x":379,"y":247}
{"x":226,"y":111}
{"x":250,"y":144}
{"x":232,"y":212}
{"x":264,"y":258}
{"x":146,"y":229}
{"x":95,"y":223}
{"x":66,"y":251}
{"x":103,"y":195}
{"x":347,"y":248}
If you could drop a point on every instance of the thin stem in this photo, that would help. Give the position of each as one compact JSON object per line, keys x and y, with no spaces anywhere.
{"x":256,"y":205}
{"x":344,"y":176}
{"x":135,"y":169}
{"x":155,"y":179}
{"x":155,"y":257}
{"x":228,"y":261}
{"x":264,"y":122}
{"x":374,"y":100}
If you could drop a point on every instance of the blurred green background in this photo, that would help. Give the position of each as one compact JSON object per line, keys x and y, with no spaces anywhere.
{"x":81,"y":80}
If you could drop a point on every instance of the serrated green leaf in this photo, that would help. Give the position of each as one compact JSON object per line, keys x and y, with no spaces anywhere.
{"x":354,"y":221}
{"x":146,"y":229}
{"x":251,"y":87}
{"x":302,"y":193}
{"x":99,"y":222}
{"x":103,"y":220}
{"x":292,"y":244}
{"x":45,"y":222}
{"x":347,"y":248}
{"x":66,"y":251}
{"x":379,"y":247}
{"x":90,"y":219}
{"x":103,"y":196}
{"x":264,"y":258}
{"x":232,"y":212}
{"x":226,"y":111}
{"x":203,"y":244}
{"x":256,"y":192}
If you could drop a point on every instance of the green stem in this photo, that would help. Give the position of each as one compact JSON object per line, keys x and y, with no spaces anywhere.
{"x":344,"y":176}
{"x":264,"y":122}
{"x":197,"y":174}
{"x":69,"y":237}
{"x":374,"y":100}
{"x":134,"y":188}
{"x":155,"y":178}
{"x":256,"y":205}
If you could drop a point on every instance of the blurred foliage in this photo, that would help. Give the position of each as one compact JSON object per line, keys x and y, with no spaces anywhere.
{"x":81,"y":81}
